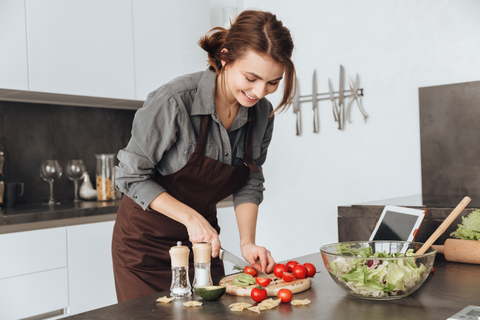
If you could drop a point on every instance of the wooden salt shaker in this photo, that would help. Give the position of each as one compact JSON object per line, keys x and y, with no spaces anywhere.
{"x":180,"y":283}
{"x":202,"y":252}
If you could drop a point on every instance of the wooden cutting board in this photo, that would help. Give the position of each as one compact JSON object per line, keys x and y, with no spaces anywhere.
{"x":296,"y":286}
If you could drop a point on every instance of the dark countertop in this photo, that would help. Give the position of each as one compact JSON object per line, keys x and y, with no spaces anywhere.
{"x":26,"y":217}
{"x":449,"y":289}
{"x":39,"y":216}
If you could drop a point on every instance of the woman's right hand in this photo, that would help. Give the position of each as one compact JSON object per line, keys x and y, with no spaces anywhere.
{"x":200,"y":230}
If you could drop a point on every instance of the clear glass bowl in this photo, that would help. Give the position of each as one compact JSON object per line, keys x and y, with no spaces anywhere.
{"x":377,"y":278}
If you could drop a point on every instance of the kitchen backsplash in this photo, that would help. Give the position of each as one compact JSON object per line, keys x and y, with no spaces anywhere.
{"x":30,"y":133}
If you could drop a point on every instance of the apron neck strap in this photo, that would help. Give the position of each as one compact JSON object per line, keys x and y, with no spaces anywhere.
{"x":249,"y":153}
{"x":203,"y":134}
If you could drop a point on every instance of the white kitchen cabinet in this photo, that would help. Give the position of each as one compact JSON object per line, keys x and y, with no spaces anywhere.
{"x":90,"y":272}
{"x":34,"y":294}
{"x":33,"y":273}
{"x":32,"y":251}
{"x":81,"y":47}
{"x":165,"y":39}
{"x":13,"y":44}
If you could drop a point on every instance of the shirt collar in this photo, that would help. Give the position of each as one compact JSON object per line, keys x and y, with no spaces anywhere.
{"x":204,"y":102}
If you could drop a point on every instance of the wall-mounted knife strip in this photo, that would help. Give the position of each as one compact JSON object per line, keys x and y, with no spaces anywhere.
{"x":339,"y":112}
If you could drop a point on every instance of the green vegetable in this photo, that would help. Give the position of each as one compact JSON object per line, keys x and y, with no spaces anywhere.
{"x":469,"y":229}
{"x":377,"y":277}
{"x":243,"y":280}
{"x":210,"y":292}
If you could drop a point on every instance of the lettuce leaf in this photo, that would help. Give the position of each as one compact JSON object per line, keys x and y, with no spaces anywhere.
{"x":469,"y":229}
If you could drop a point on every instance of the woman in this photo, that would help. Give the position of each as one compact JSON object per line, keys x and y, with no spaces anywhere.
{"x":197,"y":140}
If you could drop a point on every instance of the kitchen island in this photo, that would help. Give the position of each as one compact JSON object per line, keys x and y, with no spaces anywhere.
{"x":450,"y":288}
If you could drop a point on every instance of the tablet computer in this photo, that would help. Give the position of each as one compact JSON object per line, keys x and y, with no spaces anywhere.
{"x":398,"y":223}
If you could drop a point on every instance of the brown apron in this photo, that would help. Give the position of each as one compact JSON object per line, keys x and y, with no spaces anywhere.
{"x":142,"y":239}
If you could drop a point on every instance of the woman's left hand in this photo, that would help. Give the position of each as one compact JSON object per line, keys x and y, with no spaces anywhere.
{"x":259,"y":257}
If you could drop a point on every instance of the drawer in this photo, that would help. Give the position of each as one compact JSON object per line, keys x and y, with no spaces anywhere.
{"x":27,"y":252}
{"x":33,"y":294}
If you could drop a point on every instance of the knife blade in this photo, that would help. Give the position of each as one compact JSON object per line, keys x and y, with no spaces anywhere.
{"x":315,"y":103}
{"x":296,"y":108}
{"x":341,"y":117}
{"x":334,"y":101}
{"x":228,"y":256}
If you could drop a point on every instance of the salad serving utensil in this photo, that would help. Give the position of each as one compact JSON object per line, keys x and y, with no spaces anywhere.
{"x":445,"y":224}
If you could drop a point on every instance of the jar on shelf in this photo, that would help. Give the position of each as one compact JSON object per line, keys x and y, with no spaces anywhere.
{"x":105,"y":177}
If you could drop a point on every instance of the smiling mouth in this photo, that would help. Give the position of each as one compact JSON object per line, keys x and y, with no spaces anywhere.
{"x":249,"y":97}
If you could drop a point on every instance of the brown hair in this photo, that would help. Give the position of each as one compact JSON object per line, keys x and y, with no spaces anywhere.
{"x":258,"y":31}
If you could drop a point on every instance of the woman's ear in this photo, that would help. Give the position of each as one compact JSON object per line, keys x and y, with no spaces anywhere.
{"x":224,"y":62}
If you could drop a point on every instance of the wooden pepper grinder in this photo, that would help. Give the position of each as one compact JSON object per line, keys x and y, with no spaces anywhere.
{"x":180,"y":283}
{"x":202,"y":252}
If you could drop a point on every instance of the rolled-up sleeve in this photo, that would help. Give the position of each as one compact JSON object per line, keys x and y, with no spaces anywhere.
{"x":153,"y":132}
{"x":252,"y":191}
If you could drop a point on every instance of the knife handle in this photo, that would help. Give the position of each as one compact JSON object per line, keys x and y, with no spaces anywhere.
{"x":315,"y":120}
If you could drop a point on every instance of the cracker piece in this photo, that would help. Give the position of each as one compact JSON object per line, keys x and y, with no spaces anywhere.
{"x":300,"y":302}
{"x":192,"y":304}
{"x":164,"y":299}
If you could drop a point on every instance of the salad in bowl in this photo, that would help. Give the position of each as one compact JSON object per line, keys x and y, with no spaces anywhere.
{"x":378,"y":270}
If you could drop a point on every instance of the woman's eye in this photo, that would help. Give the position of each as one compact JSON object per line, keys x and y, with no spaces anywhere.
{"x":274,"y":83}
{"x":250,"y":80}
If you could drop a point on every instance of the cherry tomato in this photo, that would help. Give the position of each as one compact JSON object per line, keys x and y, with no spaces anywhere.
{"x":279,"y":269}
{"x":258,"y":294}
{"x":299,"y":271}
{"x":263,"y":281}
{"x":291,"y":264}
{"x":288,"y":276}
{"x":284,"y":295}
{"x":311,"y":270}
{"x":250,"y":271}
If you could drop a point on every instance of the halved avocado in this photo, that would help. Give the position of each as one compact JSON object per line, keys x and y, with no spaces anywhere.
{"x":210,"y":292}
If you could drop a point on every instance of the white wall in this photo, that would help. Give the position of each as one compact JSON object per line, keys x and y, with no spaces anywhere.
{"x":395,"y":47}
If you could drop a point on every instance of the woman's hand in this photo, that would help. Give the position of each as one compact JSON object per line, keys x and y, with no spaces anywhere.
{"x":200,"y":230}
{"x":258,"y":256}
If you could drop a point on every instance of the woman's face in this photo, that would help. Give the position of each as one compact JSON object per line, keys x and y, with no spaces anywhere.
{"x":251,"y":78}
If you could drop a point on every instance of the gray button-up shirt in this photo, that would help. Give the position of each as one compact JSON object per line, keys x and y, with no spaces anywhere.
{"x":165,"y":131}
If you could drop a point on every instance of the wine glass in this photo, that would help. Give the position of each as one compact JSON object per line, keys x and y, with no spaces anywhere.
{"x":74,"y":170}
{"x":49,"y":171}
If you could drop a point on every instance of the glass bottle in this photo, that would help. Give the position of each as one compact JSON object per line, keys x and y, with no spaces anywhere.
{"x":105,"y":177}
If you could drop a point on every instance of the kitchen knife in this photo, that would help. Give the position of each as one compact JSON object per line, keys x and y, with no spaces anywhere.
{"x":355,"y":96}
{"x":341,"y":113}
{"x":227,"y":256}
{"x":315,"y":103}
{"x":296,"y":108}
{"x":334,"y":101}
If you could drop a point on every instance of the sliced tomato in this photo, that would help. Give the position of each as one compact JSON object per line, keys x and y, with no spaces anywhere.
{"x":285,"y":295}
{"x":263,"y":281}
{"x":279,"y":269}
{"x":288,"y":276}
{"x":250,"y":271}
{"x":299,"y":271}
{"x":311,"y":270}
{"x":291,"y":264}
